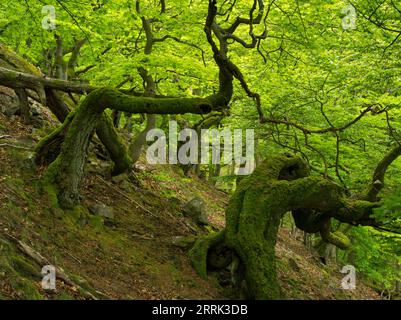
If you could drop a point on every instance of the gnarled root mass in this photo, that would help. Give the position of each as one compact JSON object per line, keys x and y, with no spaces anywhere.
{"x":279,"y":185}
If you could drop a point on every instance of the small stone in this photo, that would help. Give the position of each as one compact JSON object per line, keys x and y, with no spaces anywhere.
{"x":195,"y":208}
{"x":102,"y":211}
{"x":203,"y":219}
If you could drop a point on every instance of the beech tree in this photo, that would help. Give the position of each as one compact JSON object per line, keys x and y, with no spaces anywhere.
{"x":321,"y":92}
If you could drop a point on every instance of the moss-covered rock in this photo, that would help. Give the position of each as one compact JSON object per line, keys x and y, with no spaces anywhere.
{"x":25,"y":268}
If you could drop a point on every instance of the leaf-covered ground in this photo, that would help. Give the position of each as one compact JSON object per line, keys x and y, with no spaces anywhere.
{"x":136,"y":254}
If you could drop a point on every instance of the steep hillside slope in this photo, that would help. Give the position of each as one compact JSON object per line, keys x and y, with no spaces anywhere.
{"x":134,"y":249}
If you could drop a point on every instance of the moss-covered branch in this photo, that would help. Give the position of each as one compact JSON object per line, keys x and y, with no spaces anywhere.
{"x":15,"y":79}
{"x":67,"y":171}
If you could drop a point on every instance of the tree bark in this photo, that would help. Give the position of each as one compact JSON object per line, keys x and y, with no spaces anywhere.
{"x":59,"y":61}
{"x":72,"y":62}
{"x":24,"y":105}
{"x":136,"y":146}
{"x":380,"y":172}
{"x":278,"y":185}
{"x":67,"y":170}
{"x":16,"y":79}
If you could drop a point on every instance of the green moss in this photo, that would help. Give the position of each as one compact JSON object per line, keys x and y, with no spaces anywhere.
{"x":176,"y":275}
{"x":78,"y":212}
{"x":17,"y":185}
{"x":19,"y":273}
{"x":280,"y":184}
{"x":82,"y":282}
{"x":64,"y":296}
{"x":17,"y":62}
{"x":79,"y":216}
{"x":338,"y":239}
{"x":49,"y":182}
{"x":24,"y":268}
{"x":96,"y":222}
{"x":46,"y":139}
{"x":27,"y":290}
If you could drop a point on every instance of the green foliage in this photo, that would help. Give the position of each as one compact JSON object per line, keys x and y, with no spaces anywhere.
{"x":313,"y":73}
{"x":376,"y":256}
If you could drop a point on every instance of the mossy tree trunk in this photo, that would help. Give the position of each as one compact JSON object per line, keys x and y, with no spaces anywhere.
{"x":279,"y":185}
{"x":67,"y":170}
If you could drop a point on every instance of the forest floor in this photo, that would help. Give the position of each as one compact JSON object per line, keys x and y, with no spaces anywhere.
{"x":133,"y":255}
